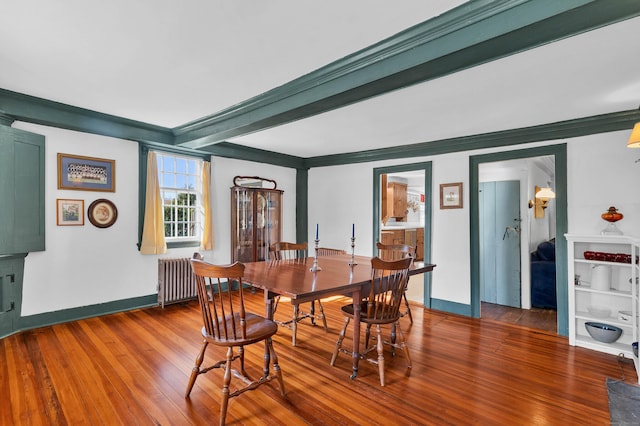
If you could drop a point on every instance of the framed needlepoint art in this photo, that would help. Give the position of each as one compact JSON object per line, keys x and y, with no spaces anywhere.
{"x":451,"y":195}
{"x":102,"y":213}
{"x":70,"y":212}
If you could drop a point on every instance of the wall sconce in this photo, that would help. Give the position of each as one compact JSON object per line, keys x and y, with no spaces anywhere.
{"x":634,"y":138}
{"x":542,"y":197}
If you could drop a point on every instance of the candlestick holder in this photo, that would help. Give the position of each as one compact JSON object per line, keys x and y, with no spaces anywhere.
{"x":353,"y":252}
{"x":315,"y":266}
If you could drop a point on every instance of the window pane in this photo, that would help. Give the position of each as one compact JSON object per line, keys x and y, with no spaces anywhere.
{"x":181,"y":182}
{"x":168,"y":164}
{"x":191,"y":182}
{"x":181,"y":165}
{"x":168,"y":180}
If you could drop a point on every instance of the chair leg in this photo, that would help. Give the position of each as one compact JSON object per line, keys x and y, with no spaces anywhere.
{"x":276,"y":366}
{"x":312,"y":312}
{"x":403,"y":345}
{"x":225,"y":388}
{"x":241,"y":357}
{"x":393,"y":338}
{"x":196,"y":369}
{"x":380,"y":350}
{"x":294,"y":324}
{"x":324,"y":319}
{"x":339,"y":342}
{"x":408,"y":312}
{"x":367,"y":336}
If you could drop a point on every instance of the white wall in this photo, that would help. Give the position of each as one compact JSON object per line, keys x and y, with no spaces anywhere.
{"x":85,"y":265}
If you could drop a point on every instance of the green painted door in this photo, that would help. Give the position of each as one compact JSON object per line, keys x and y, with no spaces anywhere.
{"x":500,"y":281}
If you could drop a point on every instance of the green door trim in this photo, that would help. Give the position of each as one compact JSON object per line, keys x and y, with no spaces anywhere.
{"x":559,"y":151}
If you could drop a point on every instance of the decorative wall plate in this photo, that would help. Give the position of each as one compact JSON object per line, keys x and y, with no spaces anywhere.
{"x":102,"y":213}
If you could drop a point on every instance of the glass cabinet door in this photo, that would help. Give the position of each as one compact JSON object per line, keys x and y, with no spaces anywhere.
{"x":242,"y":224}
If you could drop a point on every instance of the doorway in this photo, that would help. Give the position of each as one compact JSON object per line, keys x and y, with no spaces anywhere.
{"x":411,"y":221}
{"x":558,"y":152}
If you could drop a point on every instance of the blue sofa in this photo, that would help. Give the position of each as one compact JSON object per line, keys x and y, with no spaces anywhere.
{"x":543,"y":276}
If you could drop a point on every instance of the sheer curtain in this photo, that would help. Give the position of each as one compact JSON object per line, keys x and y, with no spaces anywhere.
{"x":153,"y":241}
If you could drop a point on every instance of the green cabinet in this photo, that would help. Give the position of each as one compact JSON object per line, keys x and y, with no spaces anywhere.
{"x":11,"y":270}
{"x":22,"y":167}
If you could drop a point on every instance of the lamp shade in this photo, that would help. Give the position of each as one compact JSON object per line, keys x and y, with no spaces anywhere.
{"x":545,"y":193}
{"x":634,"y":139}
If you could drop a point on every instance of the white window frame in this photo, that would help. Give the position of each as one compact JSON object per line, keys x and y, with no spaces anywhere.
{"x":174,"y":181}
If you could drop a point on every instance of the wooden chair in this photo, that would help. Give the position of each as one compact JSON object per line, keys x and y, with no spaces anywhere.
{"x":228,"y":325}
{"x":295,"y":252}
{"x":324,"y":251}
{"x":393,"y":252}
{"x":382,"y":306}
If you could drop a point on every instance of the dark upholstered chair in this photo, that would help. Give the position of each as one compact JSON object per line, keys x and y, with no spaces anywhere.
{"x":543,"y":276}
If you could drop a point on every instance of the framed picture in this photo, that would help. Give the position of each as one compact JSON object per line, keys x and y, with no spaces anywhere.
{"x":451,"y":195}
{"x":70,"y":212}
{"x":102,"y":213}
{"x":86,"y":173}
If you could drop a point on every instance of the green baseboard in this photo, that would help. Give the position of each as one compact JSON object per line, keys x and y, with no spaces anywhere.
{"x":451,"y":307}
{"x":73,"y":314}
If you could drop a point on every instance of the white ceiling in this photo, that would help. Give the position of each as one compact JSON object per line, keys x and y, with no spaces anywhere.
{"x":167,"y":63}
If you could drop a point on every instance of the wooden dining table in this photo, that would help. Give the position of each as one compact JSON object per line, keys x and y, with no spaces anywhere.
{"x":336,"y":276}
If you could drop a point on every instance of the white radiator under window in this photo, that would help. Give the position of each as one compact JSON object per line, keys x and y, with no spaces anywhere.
{"x":176,"y":282}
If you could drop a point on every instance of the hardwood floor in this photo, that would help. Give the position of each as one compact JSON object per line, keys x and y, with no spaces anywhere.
{"x":132,"y":368}
{"x":534,"y":318}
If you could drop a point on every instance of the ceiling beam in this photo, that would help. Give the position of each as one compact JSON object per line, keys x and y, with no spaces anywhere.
{"x":30,"y":109}
{"x":474,"y":33}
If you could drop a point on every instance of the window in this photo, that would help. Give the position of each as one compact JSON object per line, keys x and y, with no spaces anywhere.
{"x":181,"y":193}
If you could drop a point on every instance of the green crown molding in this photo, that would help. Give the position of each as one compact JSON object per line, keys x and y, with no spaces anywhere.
{"x":5,"y":119}
{"x":474,"y":33}
{"x":35,"y":110}
{"x":230,"y":150}
{"x":560,"y":130}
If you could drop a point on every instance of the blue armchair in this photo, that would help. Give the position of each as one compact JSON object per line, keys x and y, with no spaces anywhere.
{"x":543,"y":276}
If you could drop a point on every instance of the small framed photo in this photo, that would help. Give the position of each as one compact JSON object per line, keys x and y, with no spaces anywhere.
{"x":86,"y":173}
{"x":451,"y":195}
{"x":102,"y":213}
{"x":70,"y":212}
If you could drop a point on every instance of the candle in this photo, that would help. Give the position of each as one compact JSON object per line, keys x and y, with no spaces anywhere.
{"x":316,"y":231}
{"x":353,"y":230}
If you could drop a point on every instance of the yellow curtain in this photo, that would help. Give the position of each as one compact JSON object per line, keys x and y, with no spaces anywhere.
{"x":207,"y":227}
{"x":153,"y":241}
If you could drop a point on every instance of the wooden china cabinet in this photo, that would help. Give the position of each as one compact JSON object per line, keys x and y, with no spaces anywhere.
{"x":256,"y":217}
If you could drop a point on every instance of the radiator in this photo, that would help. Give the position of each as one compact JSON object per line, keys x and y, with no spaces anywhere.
{"x":176,"y":282}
